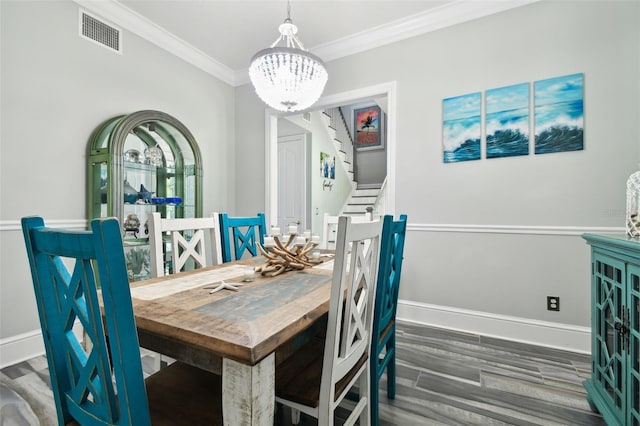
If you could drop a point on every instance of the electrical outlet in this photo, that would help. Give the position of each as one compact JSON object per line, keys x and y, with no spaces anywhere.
{"x":553,"y":303}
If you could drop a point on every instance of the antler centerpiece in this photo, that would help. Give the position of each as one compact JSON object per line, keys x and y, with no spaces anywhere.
{"x":294,"y":254}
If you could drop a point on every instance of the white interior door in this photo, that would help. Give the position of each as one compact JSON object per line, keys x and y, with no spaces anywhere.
{"x":292,"y":175}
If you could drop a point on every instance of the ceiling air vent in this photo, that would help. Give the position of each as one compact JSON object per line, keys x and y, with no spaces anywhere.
{"x":93,"y":29}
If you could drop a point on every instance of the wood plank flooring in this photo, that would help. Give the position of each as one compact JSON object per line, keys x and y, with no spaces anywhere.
{"x":444,"y":378}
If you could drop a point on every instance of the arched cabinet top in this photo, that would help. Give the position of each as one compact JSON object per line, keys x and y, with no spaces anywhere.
{"x":144,"y":162}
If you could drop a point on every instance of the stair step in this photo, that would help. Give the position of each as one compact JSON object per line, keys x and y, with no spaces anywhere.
{"x":362,"y":200}
{"x":363,"y":186}
{"x":356,"y":209}
{"x":366,"y":192}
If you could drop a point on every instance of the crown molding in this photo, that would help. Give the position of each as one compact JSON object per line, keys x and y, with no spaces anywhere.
{"x":126,"y":18}
{"x":447,"y":15}
{"x":434,"y":19}
{"x":430,"y":20}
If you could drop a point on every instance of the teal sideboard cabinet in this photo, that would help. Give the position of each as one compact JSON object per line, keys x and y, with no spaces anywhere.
{"x":614,"y":386}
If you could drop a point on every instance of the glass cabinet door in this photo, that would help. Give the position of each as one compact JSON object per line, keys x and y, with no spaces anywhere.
{"x":139,"y":164}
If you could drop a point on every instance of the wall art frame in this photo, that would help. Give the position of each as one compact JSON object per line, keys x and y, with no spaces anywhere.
{"x":559,"y":114}
{"x":462,"y":128}
{"x":507,"y":121}
{"x":368,"y":125}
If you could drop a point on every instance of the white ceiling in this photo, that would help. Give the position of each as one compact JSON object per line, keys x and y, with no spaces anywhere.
{"x":221,"y":36}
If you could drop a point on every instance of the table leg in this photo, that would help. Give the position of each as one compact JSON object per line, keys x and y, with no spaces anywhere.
{"x":248,"y":392}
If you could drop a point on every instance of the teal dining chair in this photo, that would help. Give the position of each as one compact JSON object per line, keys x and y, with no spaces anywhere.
{"x":98,"y":380}
{"x":244,"y":232}
{"x":383,"y":337}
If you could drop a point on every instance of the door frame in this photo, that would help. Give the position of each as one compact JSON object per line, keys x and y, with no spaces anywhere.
{"x":388,"y":90}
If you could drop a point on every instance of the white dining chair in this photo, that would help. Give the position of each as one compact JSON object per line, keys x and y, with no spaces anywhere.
{"x":330,"y":227}
{"x":317,"y":378}
{"x":189,"y":240}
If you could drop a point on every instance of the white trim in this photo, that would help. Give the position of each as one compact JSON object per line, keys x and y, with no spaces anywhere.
{"x":115,"y":11}
{"x":573,"y":338}
{"x":20,"y":348}
{"x":430,"y":20}
{"x":28,"y":345}
{"x":444,"y":16}
{"x":15,"y":225}
{"x":388,"y":89}
{"x":437,"y":18}
{"x":541,"y":333}
{"x":514,"y":229}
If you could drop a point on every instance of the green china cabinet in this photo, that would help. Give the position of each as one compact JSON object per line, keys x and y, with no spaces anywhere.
{"x":140,"y":163}
{"x":614,"y":386}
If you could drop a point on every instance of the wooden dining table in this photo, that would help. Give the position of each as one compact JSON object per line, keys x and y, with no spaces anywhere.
{"x":241,"y":334}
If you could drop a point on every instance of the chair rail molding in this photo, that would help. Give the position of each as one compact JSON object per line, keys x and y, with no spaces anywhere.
{"x":513,"y":229}
{"x":14,"y":225}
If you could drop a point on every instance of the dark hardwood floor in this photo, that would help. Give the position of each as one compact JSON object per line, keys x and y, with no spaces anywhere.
{"x":444,"y":378}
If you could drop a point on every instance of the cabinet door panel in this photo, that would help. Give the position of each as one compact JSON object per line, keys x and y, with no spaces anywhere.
{"x":633,"y":280}
{"x":608,"y":357}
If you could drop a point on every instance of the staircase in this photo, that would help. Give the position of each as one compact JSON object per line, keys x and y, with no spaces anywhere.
{"x":339,"y":133}
{"x":362,"y":200}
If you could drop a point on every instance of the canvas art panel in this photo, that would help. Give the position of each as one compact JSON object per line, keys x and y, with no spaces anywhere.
{"x":461,"y":128}
{"x":559,"y":114}
{"x":367,"y":123}
{"x":507,"y":121}
{"x":327,"y":166}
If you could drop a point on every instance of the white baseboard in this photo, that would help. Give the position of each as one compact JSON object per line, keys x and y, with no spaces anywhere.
{"x":542,"y":333}
{"x":25,"y":346}
{"x":20,"y":348}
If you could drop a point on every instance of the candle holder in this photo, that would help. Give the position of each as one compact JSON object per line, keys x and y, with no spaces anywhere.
{"x":289,"y":256}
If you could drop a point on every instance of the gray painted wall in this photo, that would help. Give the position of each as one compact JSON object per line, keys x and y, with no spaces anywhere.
{"x":508,"y":274}
{"x":56,"y":88}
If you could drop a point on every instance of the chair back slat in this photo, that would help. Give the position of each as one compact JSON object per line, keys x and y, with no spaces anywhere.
{"x":190,"y":240}
{"x":330,"y":227}
{"x":391,"y":255}
{"x":244,"y":232}
{"x":383,"y":338}
{"x":93,"y":382}
{"x":351,"y":306}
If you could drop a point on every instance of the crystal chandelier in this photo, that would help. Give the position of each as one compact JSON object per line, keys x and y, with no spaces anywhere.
{"x":286,"y":76}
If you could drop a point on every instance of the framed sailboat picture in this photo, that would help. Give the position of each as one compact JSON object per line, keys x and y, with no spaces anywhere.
{"x":367,"y":123}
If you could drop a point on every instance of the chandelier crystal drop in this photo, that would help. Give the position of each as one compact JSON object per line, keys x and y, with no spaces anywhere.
{"x":287,"y":77}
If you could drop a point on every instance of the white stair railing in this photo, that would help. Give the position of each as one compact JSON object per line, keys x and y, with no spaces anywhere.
{"x":380,"y":205}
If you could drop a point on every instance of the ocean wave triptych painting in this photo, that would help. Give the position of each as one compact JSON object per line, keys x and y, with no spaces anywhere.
{"x":558,"y":116}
